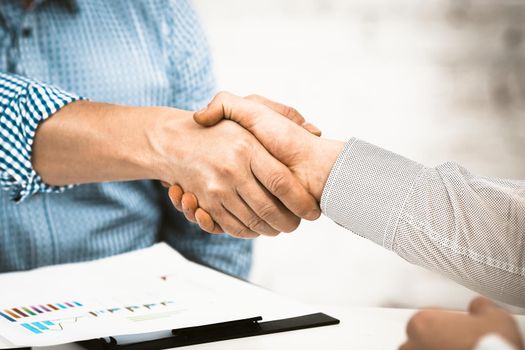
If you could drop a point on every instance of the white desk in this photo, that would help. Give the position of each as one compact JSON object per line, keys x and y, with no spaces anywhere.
{"x":360,"y":328}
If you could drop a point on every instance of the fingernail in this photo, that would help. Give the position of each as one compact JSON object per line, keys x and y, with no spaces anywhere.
{"x":311,"y":127}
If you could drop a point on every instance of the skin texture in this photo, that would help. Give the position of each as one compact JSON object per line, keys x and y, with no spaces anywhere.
{"x":278,"y":128}
{"x":247,"y":190}
{"x":439,"y":329}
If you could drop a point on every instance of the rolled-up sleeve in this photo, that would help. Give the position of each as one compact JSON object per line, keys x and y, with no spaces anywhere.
{"x":24,"y":104}
{"x":467,"y":227}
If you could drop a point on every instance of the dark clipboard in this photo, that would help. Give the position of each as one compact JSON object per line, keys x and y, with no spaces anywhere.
{"x":250,"y":327}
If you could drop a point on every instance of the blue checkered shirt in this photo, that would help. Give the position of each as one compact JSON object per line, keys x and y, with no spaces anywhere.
{"x":143,"y":53}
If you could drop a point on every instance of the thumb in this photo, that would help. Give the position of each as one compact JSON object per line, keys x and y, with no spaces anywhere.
{"x":229,"y":106}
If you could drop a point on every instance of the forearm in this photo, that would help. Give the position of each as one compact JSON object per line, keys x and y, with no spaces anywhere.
{"x":466,"y":227}
{"x":87,"y":142}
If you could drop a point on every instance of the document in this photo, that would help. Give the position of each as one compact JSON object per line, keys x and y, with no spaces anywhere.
{"x":146,"y":291}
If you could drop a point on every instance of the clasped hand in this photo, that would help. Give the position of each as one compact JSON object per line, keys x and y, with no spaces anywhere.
{"x":255,"y":174}
{"x":249,"y":179}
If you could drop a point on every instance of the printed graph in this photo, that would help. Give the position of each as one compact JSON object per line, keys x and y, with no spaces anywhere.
{"x":139,"y":312}
{"x":22,"y":313}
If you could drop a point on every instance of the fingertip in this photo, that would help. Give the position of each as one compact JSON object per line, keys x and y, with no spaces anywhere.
{"x":312,"y":129}
{"x":203,"y":118}
{"x":189,"y":205}
{"x":313,"y":215}
{"x":310,"y":211}
{"x":175,"y":193}
{"x":480,"y":304}
{"x":205,"y":221}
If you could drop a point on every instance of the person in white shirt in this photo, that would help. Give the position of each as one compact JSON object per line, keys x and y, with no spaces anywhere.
{"x":470,"y":228}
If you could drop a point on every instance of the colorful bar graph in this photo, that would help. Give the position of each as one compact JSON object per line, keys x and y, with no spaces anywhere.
{"x":31,"y":328}
{"x":48,"y":323}
{"x":16,"y":313}
{"x":11,"y":313}
{"x":40,"y":326}
{"x":36,"y":309}
{"x":19,"y":312}
{"x":28,"y":311}
{"x":9,"y":318}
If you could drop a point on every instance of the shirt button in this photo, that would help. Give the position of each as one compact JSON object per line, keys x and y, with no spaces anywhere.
{"x":26,"y":32}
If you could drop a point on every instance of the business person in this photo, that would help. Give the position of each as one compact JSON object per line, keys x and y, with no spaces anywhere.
{"x":59,"y":151}
{"x":467,"y":227}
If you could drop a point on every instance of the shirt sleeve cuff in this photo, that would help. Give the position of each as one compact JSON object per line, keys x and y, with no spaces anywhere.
{"x":493,"y":342}
{"x":366,"y":190}
{"x":33,"y":103}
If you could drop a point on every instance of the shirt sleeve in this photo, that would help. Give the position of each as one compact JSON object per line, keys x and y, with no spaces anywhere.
{"x":467,"y":227}
{"x":493,"y":342}
{"x":24,"y":104}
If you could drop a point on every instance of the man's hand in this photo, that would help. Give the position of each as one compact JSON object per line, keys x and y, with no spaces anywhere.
{"x":276,"y":126}
{"x":247,"y":190}
{"x":439,"y":329}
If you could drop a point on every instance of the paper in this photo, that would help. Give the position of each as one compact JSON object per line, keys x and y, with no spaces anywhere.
{"x":150,"y":290}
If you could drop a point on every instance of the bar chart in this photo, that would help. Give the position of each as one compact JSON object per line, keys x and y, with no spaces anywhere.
{"x":42,"y":318}
{"x":22,"y":313}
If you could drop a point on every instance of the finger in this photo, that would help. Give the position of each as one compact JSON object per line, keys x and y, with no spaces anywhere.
{"x":480,"y":305}
{"x":189,"y":205}
{"x":287,"y":111}
{"x":232,"y":225}
{"x":281,"y":183}
{"x":269,"y":127}
{"x":238,"y":207}
{"x":267,"y":207}
{"x":206,"y":222}
{"x":175,"y":193}
{"x":312,"y":129}
{"x":229,"y":106}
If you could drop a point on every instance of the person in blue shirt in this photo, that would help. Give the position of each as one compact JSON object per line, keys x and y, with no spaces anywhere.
{"x":95,"y":101}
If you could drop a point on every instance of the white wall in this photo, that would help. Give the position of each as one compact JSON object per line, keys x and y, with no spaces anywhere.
{"x":435,"y":81}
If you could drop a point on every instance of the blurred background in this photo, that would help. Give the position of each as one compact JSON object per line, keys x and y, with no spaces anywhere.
{"x":433,"y":80}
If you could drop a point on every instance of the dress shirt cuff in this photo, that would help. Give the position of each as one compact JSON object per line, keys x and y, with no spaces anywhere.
{"x":366,"y":190}
{"x":29,"y":103}
{"x":493,"y":342}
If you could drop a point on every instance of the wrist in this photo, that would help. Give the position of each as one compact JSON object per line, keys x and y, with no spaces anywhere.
{"x":165,"y":135}
{"x":324,"y":153}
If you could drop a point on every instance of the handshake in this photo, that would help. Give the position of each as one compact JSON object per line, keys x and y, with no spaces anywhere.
{"x":257,"y":169}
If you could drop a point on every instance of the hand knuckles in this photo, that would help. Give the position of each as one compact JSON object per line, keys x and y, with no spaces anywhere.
{"x":241,"y":147}
{"x":255,"y":223}
{"x":215,"y":191}
{"x":268,"y":212}
{"x":240,"y":231}
{"x":278,"y":184}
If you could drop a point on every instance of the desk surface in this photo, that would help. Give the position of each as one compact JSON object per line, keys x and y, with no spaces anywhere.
{"x":360,"y":328}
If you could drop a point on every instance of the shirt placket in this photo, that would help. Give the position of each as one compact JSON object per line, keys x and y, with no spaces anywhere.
{"x":19,"y":28}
